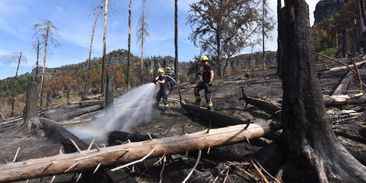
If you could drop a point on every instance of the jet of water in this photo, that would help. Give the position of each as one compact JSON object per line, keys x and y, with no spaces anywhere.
{"x":127,"y":111}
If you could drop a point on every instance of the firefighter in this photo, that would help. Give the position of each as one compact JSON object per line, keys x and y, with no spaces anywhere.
{"x":161,"y":80}
{"x":205,"y":83}
{"x":170,"y":79}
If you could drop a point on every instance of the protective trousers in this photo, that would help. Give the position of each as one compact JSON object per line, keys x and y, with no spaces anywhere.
{"x":203,"y":85}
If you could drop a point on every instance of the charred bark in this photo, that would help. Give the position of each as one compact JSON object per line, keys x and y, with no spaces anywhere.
{"x":344,"y":84}
{"x":30,"y":115}
{"x":109,"y":93}
{"x":345,"y":42}
{"x":59,"y":134}
{"x":267,"y":106}
{"x":118,"y":137}
{"x":213,"y":117}
{"x":313,"y":152}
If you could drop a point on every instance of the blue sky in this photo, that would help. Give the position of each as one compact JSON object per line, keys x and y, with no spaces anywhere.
{"x":74,"y":20}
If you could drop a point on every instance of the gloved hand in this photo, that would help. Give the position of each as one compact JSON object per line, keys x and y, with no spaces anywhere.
{"x":210,"y":83}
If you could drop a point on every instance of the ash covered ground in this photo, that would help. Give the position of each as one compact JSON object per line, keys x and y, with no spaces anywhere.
{"x":223,"y":163}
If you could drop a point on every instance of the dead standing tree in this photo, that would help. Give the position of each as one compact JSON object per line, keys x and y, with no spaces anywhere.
{"x":309,"y":149}
{"x":129,"y":44}
{"x":142,"y":34}
{"x":45,"y":33}
{"x":19,"y":58}
{"x":97,"y":12}
{"x":102,"y":82}
{"x":176,"y":39}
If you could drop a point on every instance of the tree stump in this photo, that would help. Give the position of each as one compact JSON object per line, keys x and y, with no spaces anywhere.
{"x":30,"y":115}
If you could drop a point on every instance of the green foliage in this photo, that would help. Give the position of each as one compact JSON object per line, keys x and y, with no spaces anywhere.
{"x":328,"y":33}
{"x":329,"y":52}
{"x":18,"y":85}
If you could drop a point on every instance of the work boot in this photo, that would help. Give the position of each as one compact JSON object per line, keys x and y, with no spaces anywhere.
{"x":198,"y":101}
{"x":210,"y":105}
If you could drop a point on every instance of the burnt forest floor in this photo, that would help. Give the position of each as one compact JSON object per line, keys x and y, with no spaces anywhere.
{"x":223,"y":163}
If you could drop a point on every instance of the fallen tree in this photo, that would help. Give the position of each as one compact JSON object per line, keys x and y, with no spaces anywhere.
{"x":344,"y":84}
{"x":108,"y":156}
{"x":267,"y":106}
{"x":339,"y":100}
{"x":341,"y":68}
{"x":274,"y":108}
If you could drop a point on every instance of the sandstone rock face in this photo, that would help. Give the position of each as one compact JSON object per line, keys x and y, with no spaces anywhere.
{"x":326,"y":8}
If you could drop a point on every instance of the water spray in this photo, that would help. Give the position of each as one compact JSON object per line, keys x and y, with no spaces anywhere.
{"x":178,"y":87}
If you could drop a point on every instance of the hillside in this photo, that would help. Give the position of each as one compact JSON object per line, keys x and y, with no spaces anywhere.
{"x":66,"y":83}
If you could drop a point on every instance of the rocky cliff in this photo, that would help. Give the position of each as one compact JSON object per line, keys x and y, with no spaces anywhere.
{"x":326,"y":8}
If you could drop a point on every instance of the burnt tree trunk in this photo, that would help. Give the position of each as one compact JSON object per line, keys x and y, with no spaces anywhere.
{"x":109,"y":91}
{"x":345,"y":42}
{"x":313,"y":153}
{"x":279,"y":39}
{"x":30,"y":115}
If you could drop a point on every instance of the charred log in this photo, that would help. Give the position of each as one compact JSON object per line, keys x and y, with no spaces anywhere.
{"x":340,"y":100}
{"x":344,"y":83}
{"x":59,"y":134}
{"x":267,"y":106}
{"x":119,"y":137}
{"x":69,"y":112}
{"x":213,"y":117}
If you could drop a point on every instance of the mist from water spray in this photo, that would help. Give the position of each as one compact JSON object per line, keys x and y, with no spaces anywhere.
{"x":127,"y":111}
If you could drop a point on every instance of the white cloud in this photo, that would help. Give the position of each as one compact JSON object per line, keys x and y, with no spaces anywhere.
{"x":4,"y":25}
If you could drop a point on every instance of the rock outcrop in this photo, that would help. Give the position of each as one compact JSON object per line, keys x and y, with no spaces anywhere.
{"x":326,"y":8}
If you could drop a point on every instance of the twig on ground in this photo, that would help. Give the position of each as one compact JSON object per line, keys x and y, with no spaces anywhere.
{"x":16,"y":155}
{"x":159,"y":160}
{"x":77,"y":180}
{"x":91,"y":144}
{"x":96,"y":168}
{"x":162,"y":170}
{"x":134,"y":162}
{"x":75,"y":145}
{"x":260,"y":172}
{"x":194,"y":167}
{"x":53,"y":178}
{"x":246,"y":173}
{"x":149,"y":135}
{"x":265,"y":171}
{"x":227,"y":174}
{"x":222,"y":171}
